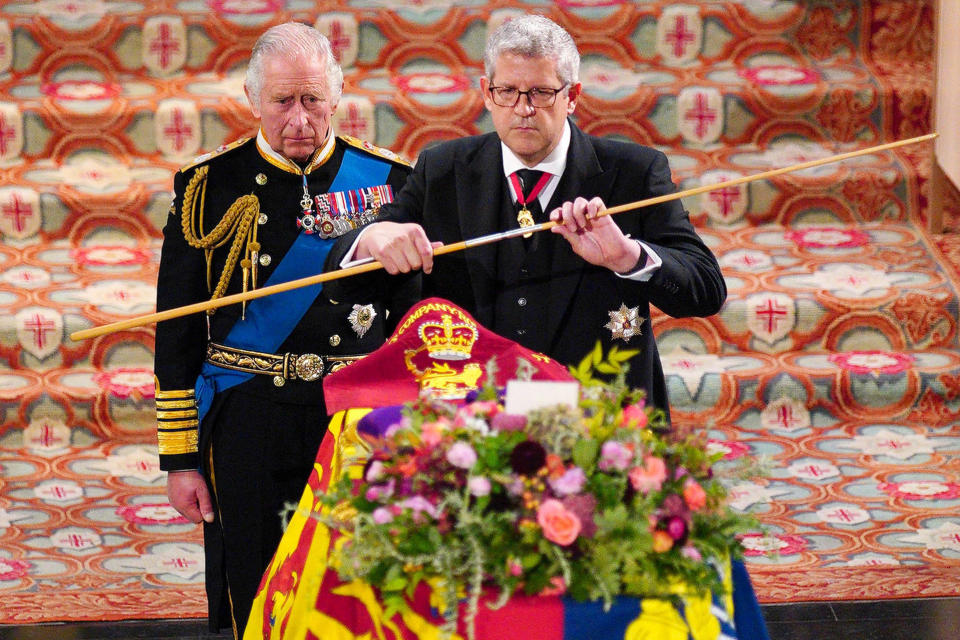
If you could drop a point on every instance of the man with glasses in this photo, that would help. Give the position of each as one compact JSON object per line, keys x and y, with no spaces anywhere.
{"x":592,"y":278}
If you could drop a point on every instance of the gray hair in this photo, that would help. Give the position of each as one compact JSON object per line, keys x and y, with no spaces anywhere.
{"x":292,"y":40}
{"x":534,"y":36}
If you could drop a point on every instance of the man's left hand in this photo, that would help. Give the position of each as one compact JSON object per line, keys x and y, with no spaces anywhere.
{"x":598,"y":240}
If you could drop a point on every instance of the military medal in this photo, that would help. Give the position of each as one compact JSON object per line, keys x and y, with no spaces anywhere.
{"x":307,"y":221}
{"x":325,"y":224}
{"x":524,"y":217}
{"x":361,"y":318}
{"x":624,"y":323}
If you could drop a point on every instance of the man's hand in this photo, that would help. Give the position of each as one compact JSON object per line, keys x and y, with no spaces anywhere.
{"x":399,"y":247}
{"x":599,"y":241}
{"x":188,"y":494}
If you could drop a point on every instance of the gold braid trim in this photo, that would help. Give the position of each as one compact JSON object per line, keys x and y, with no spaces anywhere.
{"x":238,"y":224}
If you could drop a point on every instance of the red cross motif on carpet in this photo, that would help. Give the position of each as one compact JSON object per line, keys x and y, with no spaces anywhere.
{"x":165,"y":44}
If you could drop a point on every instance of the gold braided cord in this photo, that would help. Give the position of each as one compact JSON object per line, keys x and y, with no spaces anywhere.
{"x":237,"y":224}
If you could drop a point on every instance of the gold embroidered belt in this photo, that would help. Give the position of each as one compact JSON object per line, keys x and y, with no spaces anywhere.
{"x":286,"y":366}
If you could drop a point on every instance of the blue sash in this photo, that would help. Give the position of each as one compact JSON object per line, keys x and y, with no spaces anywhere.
{"x":270,"y":320}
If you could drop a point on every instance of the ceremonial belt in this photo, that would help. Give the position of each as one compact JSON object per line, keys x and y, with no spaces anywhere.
{"x":271,"y":319}
{"x":285,"y":366}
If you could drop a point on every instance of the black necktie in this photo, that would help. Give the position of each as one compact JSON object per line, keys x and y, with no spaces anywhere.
{"x":528,"y":178}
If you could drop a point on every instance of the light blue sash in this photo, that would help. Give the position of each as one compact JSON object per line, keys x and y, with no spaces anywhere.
{"x":270,"y":320}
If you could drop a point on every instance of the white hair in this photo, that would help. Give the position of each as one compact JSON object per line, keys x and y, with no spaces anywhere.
{"x":534,"y":36}
{"x":292,"y":40}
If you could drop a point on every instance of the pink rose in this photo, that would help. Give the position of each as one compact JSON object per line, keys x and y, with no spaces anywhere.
{"x":694,"y":495}
{"x":649,"y":476}
{"x":382,"y":515}
{"x":614,"y":455}
{"x":431,"y":433}
{"x":559,"y":525}
{"x":635,"y":416}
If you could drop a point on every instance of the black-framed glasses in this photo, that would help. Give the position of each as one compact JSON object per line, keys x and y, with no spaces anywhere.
{"x":539,"y":97}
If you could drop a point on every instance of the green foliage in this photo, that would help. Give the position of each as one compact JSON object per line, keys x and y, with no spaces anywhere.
{"x":593,"y":500}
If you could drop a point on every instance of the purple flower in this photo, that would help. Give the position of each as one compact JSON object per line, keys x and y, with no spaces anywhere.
{"x":419,"y":504}
{"x":378,"y":491}
{"x":382,"y":515}
{"x":528,"y":457}
{"x":460,"y":454}
{"x":515,"y":488}
{"x":508,"y":422}
{"x":572,"y":481}
{"x":677,"y":528}
{"x":673,"y":505}
{"x":584,"y":507}
{"x":614,"y":455}
{"x":479,"y":486}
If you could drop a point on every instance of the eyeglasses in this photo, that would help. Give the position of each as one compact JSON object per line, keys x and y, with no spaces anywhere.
{"x":537,"y":97}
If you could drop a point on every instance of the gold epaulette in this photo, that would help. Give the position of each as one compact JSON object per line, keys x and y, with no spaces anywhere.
{"x":178,"y":426}
{"x":374,"y":149}
{"x":213,"y":154}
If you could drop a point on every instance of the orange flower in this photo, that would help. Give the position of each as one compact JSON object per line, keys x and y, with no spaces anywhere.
{"x":408,"y":468}
{"x":662,"y":541}
{"x":559,"y":525}
{"x":694,"y":495}
{"x":555,"y":465}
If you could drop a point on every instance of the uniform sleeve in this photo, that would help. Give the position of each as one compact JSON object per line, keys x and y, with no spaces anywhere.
{"x":180,"y":342}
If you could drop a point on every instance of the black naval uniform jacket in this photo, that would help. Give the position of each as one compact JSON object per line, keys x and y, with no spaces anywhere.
{"x":262,"y":438}
{"x":538,"y":292}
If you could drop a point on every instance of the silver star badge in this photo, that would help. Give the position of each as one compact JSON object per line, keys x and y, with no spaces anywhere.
{"x":624,"y":323}
{"x":361,"y":318}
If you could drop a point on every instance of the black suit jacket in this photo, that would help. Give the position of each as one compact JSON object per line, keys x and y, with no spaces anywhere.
{"x":457,"y":190}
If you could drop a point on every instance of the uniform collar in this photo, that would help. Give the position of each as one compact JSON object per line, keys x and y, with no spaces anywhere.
{"x":279,"y":160}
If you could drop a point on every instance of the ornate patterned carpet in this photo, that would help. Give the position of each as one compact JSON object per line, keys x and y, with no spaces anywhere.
{"x":836,"y":357}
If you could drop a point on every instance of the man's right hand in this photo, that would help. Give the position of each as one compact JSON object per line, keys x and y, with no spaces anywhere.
{"x":399,"y":247}
{"x":188,"y":494}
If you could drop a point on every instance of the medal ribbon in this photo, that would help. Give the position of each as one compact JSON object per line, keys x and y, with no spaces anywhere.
{"x":537,"y":188}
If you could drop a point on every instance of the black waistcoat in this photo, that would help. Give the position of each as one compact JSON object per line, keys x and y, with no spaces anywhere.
{"x":523,"y":281}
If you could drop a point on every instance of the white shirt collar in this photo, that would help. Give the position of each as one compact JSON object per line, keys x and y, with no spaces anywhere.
{"x":555,"y":163}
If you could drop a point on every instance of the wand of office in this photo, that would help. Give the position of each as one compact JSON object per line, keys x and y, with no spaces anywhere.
{"x":364,"y":266}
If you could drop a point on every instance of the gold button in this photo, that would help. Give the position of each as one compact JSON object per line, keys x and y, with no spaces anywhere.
{"x":261,"y":179}
{"x":265,"y":260}
{"x":278,"y":381}
{"x":262,"y":219}
{"x":334,"y":340}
